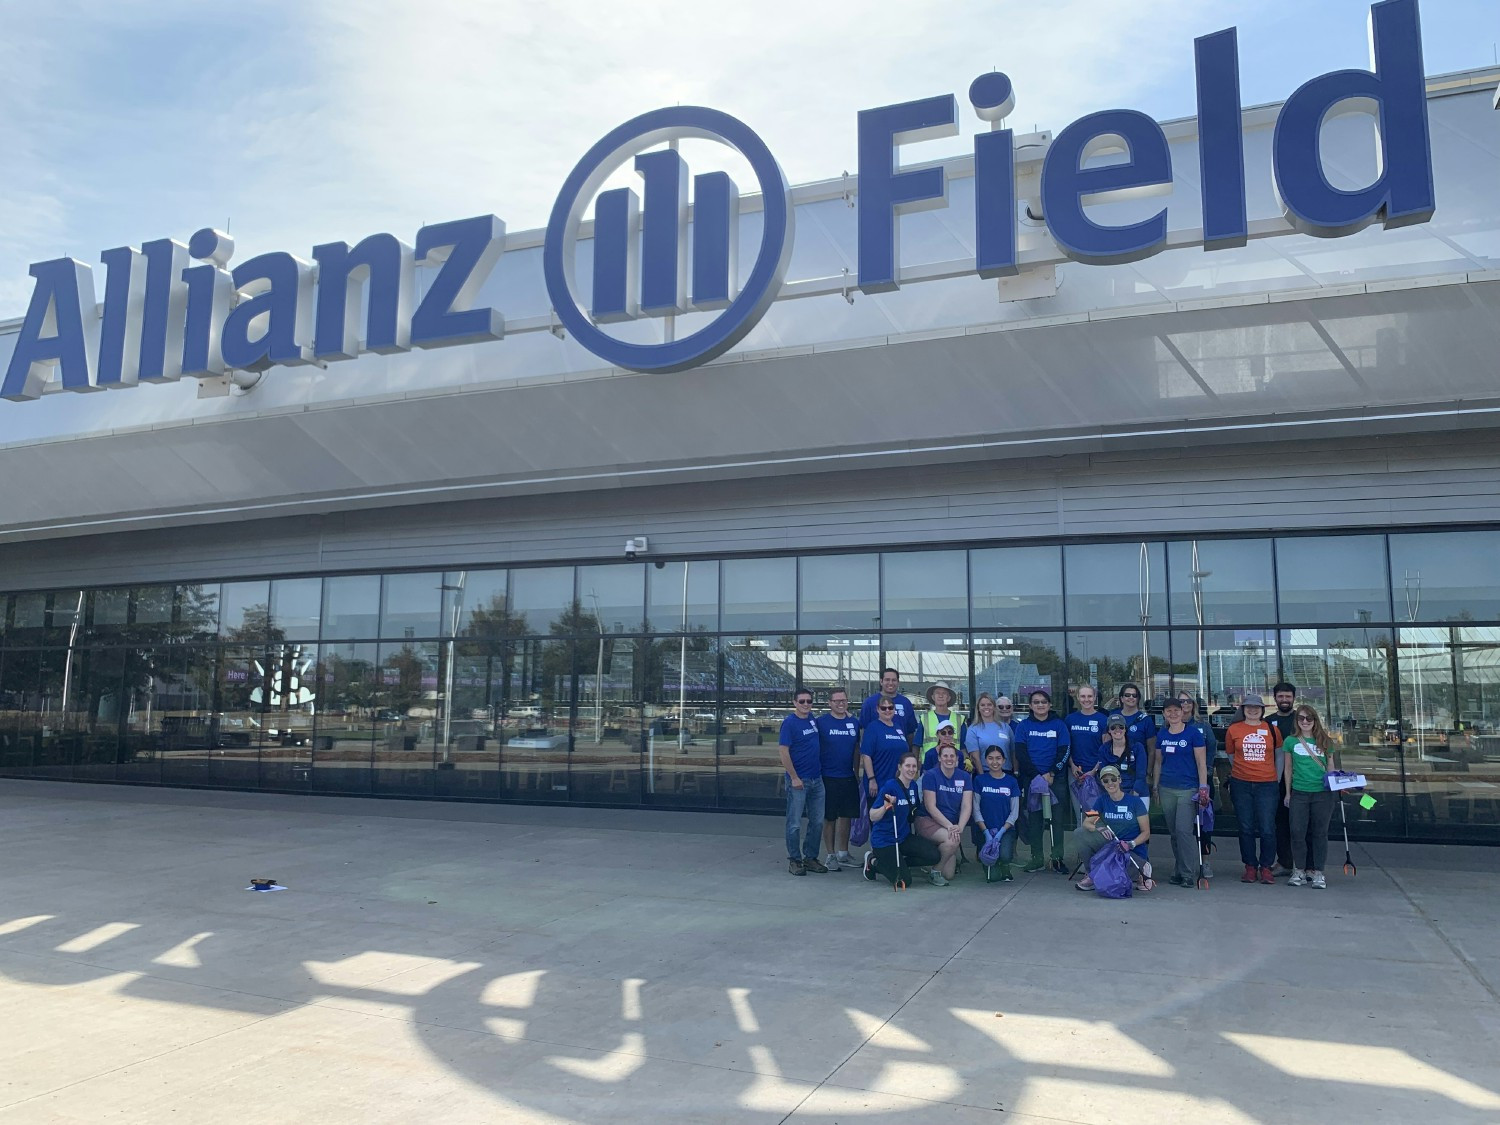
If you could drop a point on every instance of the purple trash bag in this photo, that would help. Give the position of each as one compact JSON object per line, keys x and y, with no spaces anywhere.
{"x":1035,"y":792}
{"x":1109,"y":872}
{"x":1087,"y":791}
{"x":989,"y":855}
{"x":1206,"y":820}
{"x":859,"y":831}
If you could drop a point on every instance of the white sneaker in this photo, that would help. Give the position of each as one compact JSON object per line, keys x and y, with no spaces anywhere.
{"x":1320,"y":882}
{"x":1296,"y":879}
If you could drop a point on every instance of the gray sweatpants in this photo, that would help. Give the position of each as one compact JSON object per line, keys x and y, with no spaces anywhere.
{"x":1180,"y":808}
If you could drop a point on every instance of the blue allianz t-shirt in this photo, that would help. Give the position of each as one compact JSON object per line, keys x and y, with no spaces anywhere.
{"x":800,"y":737}
{"x":1179,"y":766}
{"x":1139,"y":729}
{"x":1122,"y":815}
{"x":995,"y":797}
{"x":1086,"y":733}
{"x":905,"y":717}
{"x":895,"y":825}
{"x":1045,"y":742}
{"x":884,"y":745}
{"x":839,"y":738}
{"x":950,"y":792}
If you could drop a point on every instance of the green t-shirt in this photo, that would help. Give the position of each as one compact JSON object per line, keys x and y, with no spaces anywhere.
{"x":1309,"y":764}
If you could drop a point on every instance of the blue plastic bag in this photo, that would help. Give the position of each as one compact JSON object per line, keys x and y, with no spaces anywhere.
{"x":1109,"y":872}
{"x":859,"y":831}
{"x":989,"y":855}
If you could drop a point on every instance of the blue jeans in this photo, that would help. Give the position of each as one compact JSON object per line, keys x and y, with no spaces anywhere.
{"x":1255,"y":808}
{"x":806,"y":801}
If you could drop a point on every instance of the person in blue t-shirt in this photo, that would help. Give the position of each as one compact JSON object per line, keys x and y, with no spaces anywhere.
{"x":997,"y":805}
{"x":946,"y":736}
{"x":1179,"y":786}
{"x":890,"y":824}
{"x":987,"y":728}
{"x":881,"y":744}
{"x":947,"y":805}
{"x":890,"y":689}
{"x":1125,"y":816}
{"x":1140,"y":735}
{"x":802,"y":758}
{"x":838,"y":736}
{"x":1086,"y":734}
{"x":1042,"y":743}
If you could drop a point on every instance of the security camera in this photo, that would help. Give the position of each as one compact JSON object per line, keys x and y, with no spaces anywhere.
{"x":636,"y":546}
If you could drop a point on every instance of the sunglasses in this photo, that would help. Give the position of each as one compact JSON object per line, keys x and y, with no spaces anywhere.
{"x":1005,"y":707}
{"x":1304,"y":718}
{"x":885,"y":707}
{"x":1129,"y":695}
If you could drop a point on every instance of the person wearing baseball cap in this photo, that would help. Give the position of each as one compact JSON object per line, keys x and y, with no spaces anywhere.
{"x":1124,"y":814}
{"x":1254,"y":751}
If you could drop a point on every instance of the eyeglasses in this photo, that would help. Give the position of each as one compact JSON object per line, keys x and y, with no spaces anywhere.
{"x":885,"y":707}
{"x":1004,"y":707}
{"x":804,"y":703}
{"x":1305,"y":719}
{"x":1184,"y":703}
{"x":1130,"y":695}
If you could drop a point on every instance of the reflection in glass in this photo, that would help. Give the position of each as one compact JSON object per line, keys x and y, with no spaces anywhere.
{"x":683,"y":724}
{"x":98,"y":684}
{"x":170,"y":693}
{"x":409,"y":605}
{"x":197,"y":611}
{"x":924,"y":589}
{"x":839,"y":592}
{"x":296,"y":605}
{"x":844,"y":660}
{"x":760,"y":673}
{"x":351,"y":607}
{"x":1450,"y":698}
{"x":683,"y":596}
{"x":1222,"y":582}
{"x":408,"y":700}
{"x":607,"y":742}
{"x":1109,"y":659}
{"x":467,"y":593}
{"x":1346,"y":675}
{"x":349,"y":718}
{"x":614,"y":594}
{"x":468,"y":748}
{"x":1332,"y":578}
{"x":1016,"y":587}
{"x":1446,"y":576}
{"x":1115,"y":584}
{"x":541,"y":597}
{"x":1015,"y":664}
{"x":759,"y":594}
{"x":538,"y":720}
{"x":244,"y":611}
{"x":923,"y":659}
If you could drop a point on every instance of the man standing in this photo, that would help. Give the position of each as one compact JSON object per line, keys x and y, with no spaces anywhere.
{"x":838,"y":737}
{"x":1285,"y":722}
{"x":802,"y":758}
{"x":890,"y":689}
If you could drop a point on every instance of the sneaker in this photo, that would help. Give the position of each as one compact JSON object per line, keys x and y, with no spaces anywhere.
{"x":1059,"y":866}
{"x":1249,"y":875}
{"x":794,"y":867}
{"x":1267,"y":877}
{"x":936,"y":878}
{"x":1033,"y":865}
{"x":1085,"y":884}
{"x":832,"y":862}
{"x":1319,"y":882}
{"x":1296,"y":880}
{"x":846,"y":860}
{"x":1005,"y":875}
{"x":1179,"y":881}
{"x":814,"y":866}
{"x":1206,"y":870}
{"x":869,"y":866}
{"x":1281,"y":871}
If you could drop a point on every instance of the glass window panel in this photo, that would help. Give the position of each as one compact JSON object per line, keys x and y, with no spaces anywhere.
{"x":759,"y":677}
{"x":153,"y":604}
{"x":1450,"y":698}
{"x":295,"y":606}
{"x":760,"y":595}
{"x":349,"y":718}
{"x":1109,"y":659}
{"x":1115,"y":584}
{"x":351,"y":606}
{"x":194,"y":724}
{"x":839,"y":592}
{"x":1015,"y":664}
{"x":1345,"y":674}
{"x":1332,"y":578}
{"x":1219,"y":666}
{"x":1446,"y":576}
{"x":606,"y":765}
{"x":244,"y":611}
{"x":923,"y":659}
{"x":1222,"y":582}
{"x":537,"y":722}
{"x":684,"y":724}
{"x":614,"y":595}
{"x":541,"y":598}
{"x":467,"y":744}
{"x":197,"y":610}
{"x":407,"y":697}
{"x":1016,"y":587}
{"x":29,"y":611}
{"x":409,"y":605}
{"x":924,"y":589}
{"x":471,"y":600}
{"x":98,"y":684}
{"x":832,"y":659}
{"x":683,"y":596}
{"x":111,"y":607}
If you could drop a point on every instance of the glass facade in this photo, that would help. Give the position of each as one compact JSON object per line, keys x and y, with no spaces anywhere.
{"x":664,"y":683}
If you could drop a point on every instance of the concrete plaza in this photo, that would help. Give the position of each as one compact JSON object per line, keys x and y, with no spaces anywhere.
{"x":457,"y":963}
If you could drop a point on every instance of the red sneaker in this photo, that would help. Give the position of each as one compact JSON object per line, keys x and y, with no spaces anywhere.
{"x":1249,"y":875}
{"x":1266,"y":876}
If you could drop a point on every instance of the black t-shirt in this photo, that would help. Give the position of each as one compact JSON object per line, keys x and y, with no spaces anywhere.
{"x":1285,"y":724}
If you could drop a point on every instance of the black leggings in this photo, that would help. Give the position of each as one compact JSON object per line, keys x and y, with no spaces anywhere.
{"x":913,"y":851}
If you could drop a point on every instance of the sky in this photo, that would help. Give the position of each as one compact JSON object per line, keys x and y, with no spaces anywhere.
{"x":295,"y":122}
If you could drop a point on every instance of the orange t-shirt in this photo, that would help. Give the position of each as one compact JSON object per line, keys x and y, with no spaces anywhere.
{"x":1252,"y":746}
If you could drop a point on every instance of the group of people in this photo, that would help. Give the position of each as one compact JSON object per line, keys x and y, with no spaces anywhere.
{"x":927,"y":779}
